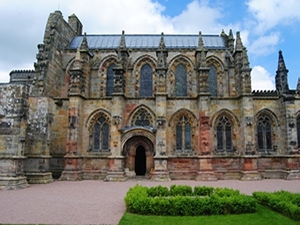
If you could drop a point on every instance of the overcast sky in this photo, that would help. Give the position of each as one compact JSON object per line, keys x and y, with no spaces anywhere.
{"x":266,"y":26}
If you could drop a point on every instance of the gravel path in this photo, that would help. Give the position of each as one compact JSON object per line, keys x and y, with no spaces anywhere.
{"x":97,"y":202}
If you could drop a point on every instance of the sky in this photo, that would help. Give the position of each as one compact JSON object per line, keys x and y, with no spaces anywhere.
{"x":266,"y":27}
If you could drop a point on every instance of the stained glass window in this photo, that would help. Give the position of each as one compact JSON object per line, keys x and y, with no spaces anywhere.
{"x":183,"y":135}
{"x":110,"y":80}
{"x":146,"y":81}
{"x":224,"y":136}
{"x":212,"y":81}
{"x":101,"y":136}
{"x":180,"y":80}
{"x":264,"y":134}
{"x":142,"y":118}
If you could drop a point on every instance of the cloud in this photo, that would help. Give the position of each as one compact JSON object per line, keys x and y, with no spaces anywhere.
{"x":133,"y":16}
{"x":261,"y":79}
{"x":265,"y":45}
{"x":270,"y":13}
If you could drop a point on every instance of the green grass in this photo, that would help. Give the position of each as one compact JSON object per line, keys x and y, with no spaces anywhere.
{"x":263,"y":216}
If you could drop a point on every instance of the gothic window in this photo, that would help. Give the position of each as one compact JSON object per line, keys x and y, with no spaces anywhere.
{"x":224,"y":134}
{"x":146,"y":81}
{"x":264,"y":134}
{"x":101,"y":135}
{"x":212,"y":81}
{"x":183,"y":135}
{"x":298,"y":131}
{"x":110,"y":80}
{"x":180,"y":80}
{"x":142,"y":118}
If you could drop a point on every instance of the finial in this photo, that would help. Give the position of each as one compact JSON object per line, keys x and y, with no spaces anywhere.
{"x":162,"y":41}
{"x":239,"y":44}
{"x":84,"y":43}
{"x":122,"y":41}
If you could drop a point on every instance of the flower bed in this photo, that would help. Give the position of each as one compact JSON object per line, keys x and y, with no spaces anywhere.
{"x":182,"y":200}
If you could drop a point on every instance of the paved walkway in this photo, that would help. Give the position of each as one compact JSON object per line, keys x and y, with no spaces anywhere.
{"x":97,"y":202}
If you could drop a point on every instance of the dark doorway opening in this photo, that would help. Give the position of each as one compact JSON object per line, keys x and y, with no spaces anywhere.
{"x":140,"y":161}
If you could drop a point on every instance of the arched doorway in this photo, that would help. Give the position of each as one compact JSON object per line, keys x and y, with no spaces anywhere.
{"x":139,"y":152}
{"x":140,"y":161}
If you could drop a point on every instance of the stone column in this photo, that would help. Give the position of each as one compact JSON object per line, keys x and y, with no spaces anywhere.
{"x":38,"y":139}
{"x":13,"y":111}
{"x":73,"y":158}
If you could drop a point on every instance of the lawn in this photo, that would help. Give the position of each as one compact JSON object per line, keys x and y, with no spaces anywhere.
{"x":262,"y":216}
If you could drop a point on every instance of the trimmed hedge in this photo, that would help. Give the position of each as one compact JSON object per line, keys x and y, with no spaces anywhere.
{"x":283,"y":202}
{"x":182,"y":201}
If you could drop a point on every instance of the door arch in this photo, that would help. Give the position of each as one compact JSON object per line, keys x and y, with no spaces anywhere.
{"x":139,"y":152}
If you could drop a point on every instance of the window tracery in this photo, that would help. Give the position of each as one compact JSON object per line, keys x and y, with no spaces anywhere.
{"x":101,"y":135}
{"x":183,"y":135}
{"x":298,"y":132}
{"x":142,"y":118}
{"x":224,"y":135}
{"x":264,"y":134}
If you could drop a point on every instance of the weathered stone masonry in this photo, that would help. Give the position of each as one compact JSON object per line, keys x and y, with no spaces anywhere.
{"x":113,"y":107}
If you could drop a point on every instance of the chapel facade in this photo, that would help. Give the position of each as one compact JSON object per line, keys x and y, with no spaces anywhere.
{"x":115,"y":107}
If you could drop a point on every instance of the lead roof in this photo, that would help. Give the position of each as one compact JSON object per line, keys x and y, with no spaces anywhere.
{"x":108,"y":41}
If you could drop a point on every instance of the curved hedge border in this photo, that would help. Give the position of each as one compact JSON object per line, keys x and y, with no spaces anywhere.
{"x":283,"y":202}
{"x":181,"y":200}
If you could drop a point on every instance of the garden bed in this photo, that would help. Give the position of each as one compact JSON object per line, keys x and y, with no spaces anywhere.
{"x":182,"y":200}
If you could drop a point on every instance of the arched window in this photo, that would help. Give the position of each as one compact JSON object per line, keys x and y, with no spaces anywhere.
{"x":110,"y":80}
{"x":180,"y":81}
{"x":101,"y":136}
{"x":224,"y":135}
{"x":142,"y":118}
{"x":264,"y":134}
{"x":298,"y":132}
{"x":183,"y":135}
{"x":146,"y":81}
{"x":212,"y":81}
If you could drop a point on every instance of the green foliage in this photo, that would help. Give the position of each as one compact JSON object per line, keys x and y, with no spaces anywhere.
{"x":263,"y":215}
{"x":203,"y":191}
{"x":158,"y":191}
{"x":182,"y":190}
{"x":282,"y":201}
{"x":226,"y":192}
{"x":156,"y":201}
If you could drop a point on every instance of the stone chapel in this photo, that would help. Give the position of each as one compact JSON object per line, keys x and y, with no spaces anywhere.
{"x":119,"y":106}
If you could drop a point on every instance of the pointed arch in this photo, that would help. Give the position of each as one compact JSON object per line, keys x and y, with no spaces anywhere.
{"x":98,"y":124}
{"x":183,"y":124}
{"x":181,"y":77}
{"x":144,"y":69}
{"x":266,"y":121}
{"x":216,"y":75}
{"x":106,"y":75}
{"x":142,"y":116}
{"x":225,"y":125}
{"x":233,"y":118}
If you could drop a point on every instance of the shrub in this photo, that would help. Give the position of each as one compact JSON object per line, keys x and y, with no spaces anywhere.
{"x":282,"y":201}
{"x":223,"y":201}
{"x":158,"y":191}
{"x":182,"y":190}
{"x":226,"y":192}
{"x":203,"y":191}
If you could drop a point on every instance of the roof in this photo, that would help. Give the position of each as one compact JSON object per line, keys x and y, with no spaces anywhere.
{"x":148,"y":41}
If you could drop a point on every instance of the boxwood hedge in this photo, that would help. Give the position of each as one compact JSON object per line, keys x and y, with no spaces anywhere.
{"x":281,"y":201}
{"x":182,"y":200}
